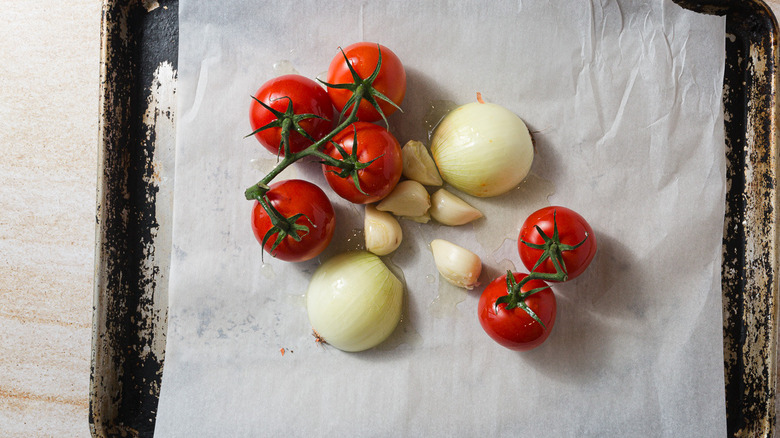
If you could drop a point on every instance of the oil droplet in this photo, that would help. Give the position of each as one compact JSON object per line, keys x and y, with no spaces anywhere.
{"x":284,"y":67}
{"x":355,"y":240}
{"x":504,"y":215}
{"x":436,"y":111}
{"x":322,"y":77}
{"x":404,"y":333}
{"x":265,"y":165}
{"x":298,"y":301}
{"x":506,"y":265}
{"x":257,"y":163}
{"x":491,"y":271}
{"x":397,"y":271}
{"x":430,"y":279}
{"x":444,"y":305}
{"x":267,"y":270}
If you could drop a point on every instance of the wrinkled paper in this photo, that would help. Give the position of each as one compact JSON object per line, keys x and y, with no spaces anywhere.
{"x":624,"y":99}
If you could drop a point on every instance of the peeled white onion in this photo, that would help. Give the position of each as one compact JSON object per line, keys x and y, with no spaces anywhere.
{"x":482,"y":149}
{"x":354,"y":301}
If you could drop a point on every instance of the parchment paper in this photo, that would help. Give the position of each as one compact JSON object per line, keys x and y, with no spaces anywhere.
{"x":624,"y":99}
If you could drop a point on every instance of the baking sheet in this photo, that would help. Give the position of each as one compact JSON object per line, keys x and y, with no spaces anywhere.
{"x":629,"y":132}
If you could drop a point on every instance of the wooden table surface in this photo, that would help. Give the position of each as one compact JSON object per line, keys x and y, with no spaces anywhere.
{"x":49,"y":89}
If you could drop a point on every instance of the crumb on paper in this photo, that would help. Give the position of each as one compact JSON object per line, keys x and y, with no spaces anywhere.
{"x":317,"y":338}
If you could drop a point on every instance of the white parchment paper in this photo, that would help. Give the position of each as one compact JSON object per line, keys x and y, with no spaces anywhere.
{"x":625,"y":101}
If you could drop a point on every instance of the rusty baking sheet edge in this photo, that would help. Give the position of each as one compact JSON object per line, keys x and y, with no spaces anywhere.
{"x":134,"y":205}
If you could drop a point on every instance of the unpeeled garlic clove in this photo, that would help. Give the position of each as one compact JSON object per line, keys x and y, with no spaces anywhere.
{"x":382,"y":232}
{"x":456,"y":264}
{"x":448,"y":209}
{"x":418,"y":164}
{"x":408,"y":198}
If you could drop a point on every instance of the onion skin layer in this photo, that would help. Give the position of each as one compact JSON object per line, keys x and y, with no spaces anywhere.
{"x":354,"y":301}
{"x":482,"y":149}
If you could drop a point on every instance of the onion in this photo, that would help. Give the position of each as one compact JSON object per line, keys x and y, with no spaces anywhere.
{"x":482,"y":149}
{"x":354,"y":301}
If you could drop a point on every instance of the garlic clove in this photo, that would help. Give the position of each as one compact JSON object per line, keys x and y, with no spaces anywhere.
{"x":418,"y":164}
{"x":456,"y":264}
{"x":448,"y":209}
{"x":382,"y":232}
{"x":408,"y":198}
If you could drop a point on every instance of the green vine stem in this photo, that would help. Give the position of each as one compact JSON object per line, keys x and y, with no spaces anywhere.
{"x":362,"y":89}
{"x":288,"y":121}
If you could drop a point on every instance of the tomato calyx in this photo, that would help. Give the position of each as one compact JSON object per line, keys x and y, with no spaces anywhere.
{"x":363,"y":89}
{"x":553,"y":249}
{"x":287,"y":121}
{"x":350,"y":164}
{"x":516,"y":297}
{"x":282,"y":226}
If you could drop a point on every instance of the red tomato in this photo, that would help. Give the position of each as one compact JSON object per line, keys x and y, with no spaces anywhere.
{"x":307,"y":97}
{"x":363,"y":57}
{"x":289,"y":198}
{"x":515,"y":328}
{"x":379,"y":178}
{"x":572,"y":229}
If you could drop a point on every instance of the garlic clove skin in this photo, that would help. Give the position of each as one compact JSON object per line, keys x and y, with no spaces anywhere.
{"x":456,"y":264}
{"x":448,"y":209}
{"x":382,"y":231}
{"x":408,"y":198}
{"x":419,"y":165}
{"x":424,"y":219}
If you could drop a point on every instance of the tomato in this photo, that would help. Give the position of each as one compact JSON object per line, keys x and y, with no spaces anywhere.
{"x":391,"y":80}
{"x":572,"y":229}
{"x":307,"y":97}
{"x":516,"y":329}
{"x":291,"y":197}
{"x":379,"y":178}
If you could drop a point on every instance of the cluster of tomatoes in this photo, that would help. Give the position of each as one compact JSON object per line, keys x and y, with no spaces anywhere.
{"x":294,"y":117}
{"x":518,"y":311}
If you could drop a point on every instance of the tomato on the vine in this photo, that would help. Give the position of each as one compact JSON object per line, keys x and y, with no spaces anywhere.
{"x":306,"y":96}
{"x":363,"y":56}
{"x":377,"y":160}
{"x":516,"y":328}
{"x":316,"y":214}
{"x":566,"y":237}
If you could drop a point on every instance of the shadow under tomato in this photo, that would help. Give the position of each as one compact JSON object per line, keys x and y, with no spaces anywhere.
{"x":584,"y":343}
{"x":422,"y":93}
